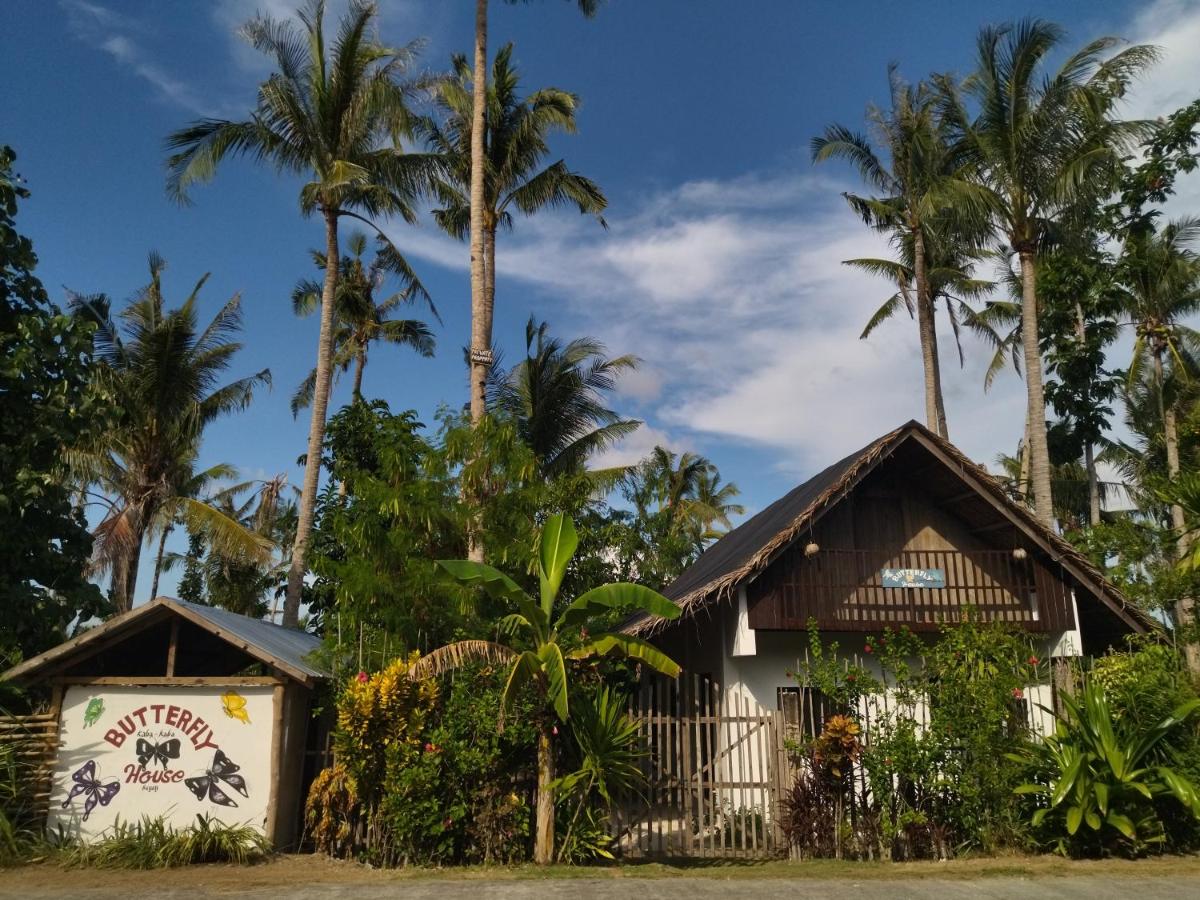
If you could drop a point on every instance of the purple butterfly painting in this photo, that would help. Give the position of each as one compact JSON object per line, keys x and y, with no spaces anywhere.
{"x":88,"y":785}
{"x":208,"y":785}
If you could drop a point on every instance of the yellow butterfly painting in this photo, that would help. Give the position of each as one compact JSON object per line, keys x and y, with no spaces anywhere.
{"x":235,"y":706}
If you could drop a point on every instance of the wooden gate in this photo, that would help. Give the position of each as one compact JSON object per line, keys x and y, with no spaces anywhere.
{"x":713,"y":768}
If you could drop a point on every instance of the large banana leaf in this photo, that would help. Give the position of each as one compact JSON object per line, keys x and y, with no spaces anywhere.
{"x":630,"y":647}
{"x":621,"y":596}
{"x":559,"y":541}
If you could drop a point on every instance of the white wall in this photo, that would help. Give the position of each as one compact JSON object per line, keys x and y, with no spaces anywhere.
{"x":100,"y":760}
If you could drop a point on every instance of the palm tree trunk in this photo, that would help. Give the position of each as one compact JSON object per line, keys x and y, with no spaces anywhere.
{"x":1089,"y":452}
{"x":543,"y":844}
{"x":316,"y":428}
{"x":158,"y":561}
{"x":1089,"y":461}
{"x":934,"y":411}
{"x":481,"y":318}
{"x":1023,"y":472}
{"x":131,"y":572}
{"x":481,"y":323}
{"x":1039,"y":451}
{"x":1184,"y":612}
{"x":360,"y":363}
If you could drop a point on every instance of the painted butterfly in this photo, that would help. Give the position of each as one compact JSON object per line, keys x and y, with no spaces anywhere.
{"x":209,"y":784}
{"x":163,"y":752}
{"x":87,"y":783}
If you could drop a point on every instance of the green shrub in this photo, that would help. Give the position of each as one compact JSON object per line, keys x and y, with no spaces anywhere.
{"x":423,"y":776}
{"x":1101,"y":780}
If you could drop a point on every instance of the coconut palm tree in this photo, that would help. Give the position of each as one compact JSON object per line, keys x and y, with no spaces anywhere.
{"x":537,"y":645}
{"x":359,"y":319}
{"x":166,"y":370}
{"x":916,"y":177}
{"x":1161,"y":274}
{"x":950,"y":277}
{"x":1038,"y":140}
{"x":480,"y":355}
{"x":556,"y":398}
{"x":337,"y":118}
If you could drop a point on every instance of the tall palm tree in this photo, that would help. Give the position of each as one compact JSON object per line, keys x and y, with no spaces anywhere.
{"x":166,"y":370}
{"x":1161,"y":274}
{"x":538,"y":642}
{"x":556,"y":397}
{"x":1037,"y":141}
{"x":359,"y":319}
{"x":337,"y":118}
{"x":916,"y":177}
{"x":480,"y":356}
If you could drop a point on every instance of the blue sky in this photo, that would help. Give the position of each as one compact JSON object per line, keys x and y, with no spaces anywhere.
{"x":721,"y":267}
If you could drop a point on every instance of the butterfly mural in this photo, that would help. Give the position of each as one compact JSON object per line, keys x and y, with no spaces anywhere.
{"x":161,"y":753}
{"x":235,"y":706}
{"x":91,"y":789}
{"x":209,"y":785}
{"x":95,"y":709}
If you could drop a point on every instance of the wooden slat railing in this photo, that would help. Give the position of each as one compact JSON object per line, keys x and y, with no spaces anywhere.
{"x":843,"y":590}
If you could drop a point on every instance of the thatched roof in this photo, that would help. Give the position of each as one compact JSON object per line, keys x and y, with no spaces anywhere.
{"x":747,"y":550}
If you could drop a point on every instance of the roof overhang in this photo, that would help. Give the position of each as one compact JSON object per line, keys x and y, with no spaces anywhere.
{"x":129,"y":623}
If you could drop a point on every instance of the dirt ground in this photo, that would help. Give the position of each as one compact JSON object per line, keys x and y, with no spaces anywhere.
{"x":303,"y":877}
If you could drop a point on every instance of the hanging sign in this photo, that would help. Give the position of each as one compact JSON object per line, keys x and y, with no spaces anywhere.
{"x":913,"y":578}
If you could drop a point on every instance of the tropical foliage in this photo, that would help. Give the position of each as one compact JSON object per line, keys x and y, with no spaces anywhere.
{"x":539,"y":639}
{"x":1099,"y":780}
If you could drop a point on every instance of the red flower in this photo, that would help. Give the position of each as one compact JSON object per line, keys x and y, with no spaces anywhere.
{"x":554,"y":730}
{"x":362,"y":677}
{"x":1018,"y":693}
{"x":428,"y":747}
{"x":1033,"y":660}
{"x":867,"y":649}
{"x":849,"y":677}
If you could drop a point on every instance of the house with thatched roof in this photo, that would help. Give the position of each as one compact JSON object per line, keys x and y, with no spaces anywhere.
{"x":906,"y":531}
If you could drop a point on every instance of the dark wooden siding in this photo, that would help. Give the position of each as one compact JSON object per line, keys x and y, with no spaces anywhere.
{"x":890,"y":522}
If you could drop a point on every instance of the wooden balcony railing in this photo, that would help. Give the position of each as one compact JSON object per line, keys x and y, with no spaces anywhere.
{"x":843,"y":590}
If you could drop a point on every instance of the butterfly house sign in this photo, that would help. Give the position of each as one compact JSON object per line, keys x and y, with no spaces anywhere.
{"x":129,"y":752}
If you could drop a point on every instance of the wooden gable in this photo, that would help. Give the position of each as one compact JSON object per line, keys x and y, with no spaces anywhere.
{"x":909,"y":513}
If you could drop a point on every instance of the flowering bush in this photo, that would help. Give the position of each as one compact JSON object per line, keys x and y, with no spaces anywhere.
{"x":422,"y":775}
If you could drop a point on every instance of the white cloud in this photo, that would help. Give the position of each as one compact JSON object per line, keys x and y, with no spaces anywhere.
{"x":1174,"y":27}
{"x":117,"y":35}
{"x":741,"y":306}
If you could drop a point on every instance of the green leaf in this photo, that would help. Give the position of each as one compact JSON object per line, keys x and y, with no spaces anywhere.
{"x":1074,"y":818}
{"x":559,"y":542}
{"x":525,"y":668}
{"x":1067,"y":782}
{"x":620,"y":595}
{"x":1100,"y":789}
{"x":630,"y":647}
{"x":1093,"y":819}
{"x":555,"y":667}
{"x":1038,"y":816}
{"x":1031,"y":789}
{"x":1123,"y":824}
{"x":498,"y":586}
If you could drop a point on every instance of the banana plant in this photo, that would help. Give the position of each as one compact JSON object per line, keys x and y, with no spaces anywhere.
{"x":537,"y":645}
{"x":1105,"y":776}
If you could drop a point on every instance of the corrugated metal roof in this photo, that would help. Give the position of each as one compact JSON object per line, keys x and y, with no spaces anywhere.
{"x":288,"y":645}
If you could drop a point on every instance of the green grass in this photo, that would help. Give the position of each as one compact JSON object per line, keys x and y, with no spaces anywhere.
{"x":152,"y":844}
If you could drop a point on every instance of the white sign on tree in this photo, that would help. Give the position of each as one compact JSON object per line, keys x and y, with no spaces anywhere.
{"x":171,"y":752}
